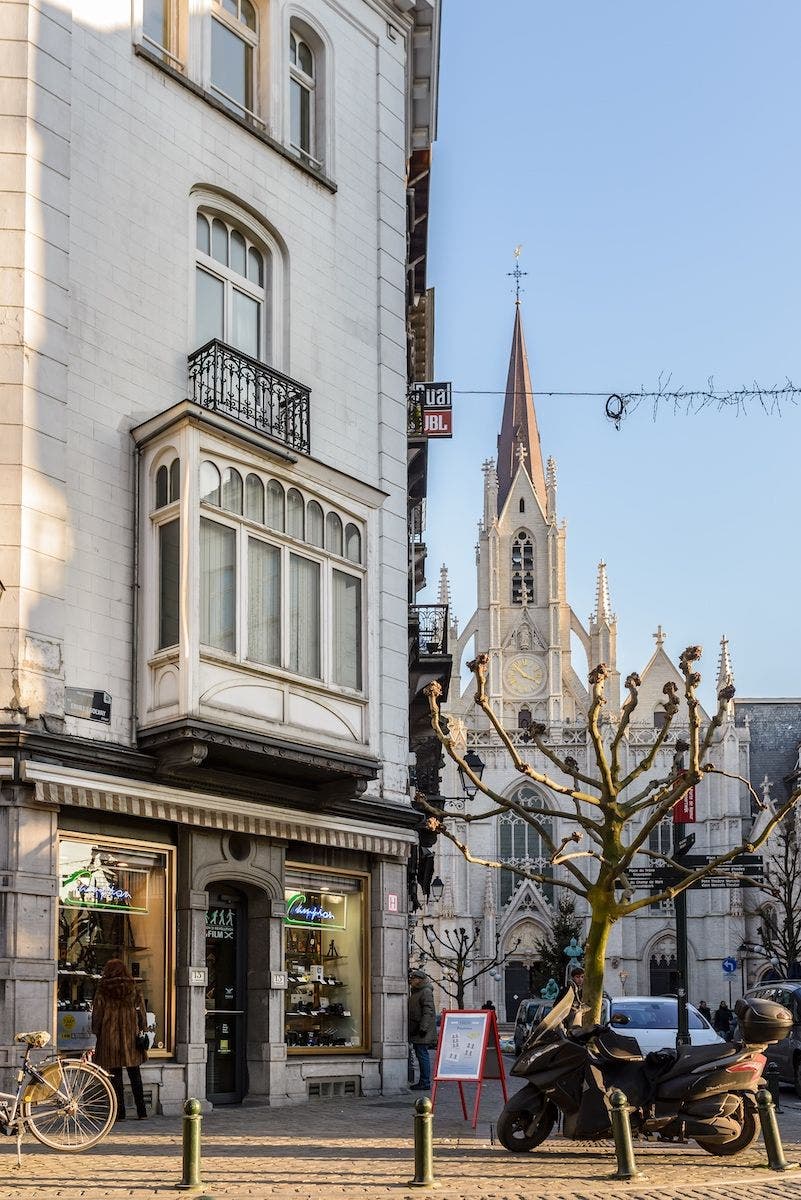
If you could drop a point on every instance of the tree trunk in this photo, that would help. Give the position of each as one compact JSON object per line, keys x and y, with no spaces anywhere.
{"x":459,"y":992}
{"x":594,"y":955}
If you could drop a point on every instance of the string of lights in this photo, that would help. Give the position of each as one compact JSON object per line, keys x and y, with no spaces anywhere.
{"x":682,"y":400}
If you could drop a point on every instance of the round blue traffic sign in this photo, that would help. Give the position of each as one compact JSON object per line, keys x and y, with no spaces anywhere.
{"x":729,"y":965}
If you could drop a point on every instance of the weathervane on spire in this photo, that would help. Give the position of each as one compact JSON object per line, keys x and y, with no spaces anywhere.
{"x":517,"y":274}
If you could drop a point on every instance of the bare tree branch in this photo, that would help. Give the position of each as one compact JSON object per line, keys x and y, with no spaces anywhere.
{"x":671,"y":708}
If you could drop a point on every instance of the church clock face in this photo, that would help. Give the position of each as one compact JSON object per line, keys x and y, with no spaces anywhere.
{"x":524,"y":675}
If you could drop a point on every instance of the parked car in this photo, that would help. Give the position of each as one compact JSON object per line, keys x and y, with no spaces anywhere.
{"x":653,"y":1021}
{"x":786,"y":1053}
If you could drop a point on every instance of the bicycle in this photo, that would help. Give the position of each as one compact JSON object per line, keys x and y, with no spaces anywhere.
{"x":68,"y":1104}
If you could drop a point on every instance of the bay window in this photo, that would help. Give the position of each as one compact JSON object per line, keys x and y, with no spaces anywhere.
{"x":280,"y":586}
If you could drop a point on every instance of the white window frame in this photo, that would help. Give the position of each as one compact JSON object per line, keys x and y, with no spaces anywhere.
{"x":251,"y":37}
{"x":298,"y":22}
{"x":233,"y":281}
{"x":307,"y":83}
{"x":172,"y":52}
{"x":329,"y":562}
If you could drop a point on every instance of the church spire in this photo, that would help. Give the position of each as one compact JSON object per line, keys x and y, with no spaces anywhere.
{"x":519,"y":424}
{"x":603,"y":606}
{"x":725,"y":671}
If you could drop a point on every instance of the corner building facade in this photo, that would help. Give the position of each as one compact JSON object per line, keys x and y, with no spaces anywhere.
{"x":203,"y":542}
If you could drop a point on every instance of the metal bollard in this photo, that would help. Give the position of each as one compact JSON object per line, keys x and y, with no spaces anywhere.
{"x":621,"y":1132}
{"x":423,"y":1145}
{"x":190,"y":1180}
{"x":770,"y":1131}
{"x":772,"y":1080}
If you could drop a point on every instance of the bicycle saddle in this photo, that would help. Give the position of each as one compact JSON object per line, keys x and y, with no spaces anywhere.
{"x":39,"y":1038}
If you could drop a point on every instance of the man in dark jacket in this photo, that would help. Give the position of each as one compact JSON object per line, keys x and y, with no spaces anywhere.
{"x":422,"y":1025}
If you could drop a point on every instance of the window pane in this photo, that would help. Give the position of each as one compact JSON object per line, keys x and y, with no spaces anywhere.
{"x":246,"y":318}
{"x":314,"y":524}
{"x":209,"y":301}
{"x":155,"y":23}
{"x":230,"y":63}
{"x":255,"y":267}
{"x":305,"y":59}
{"x":353,"y":544}
{"x":169,"y":583}
{"x":175,"y":479}
{"x":230,"y":6}
{"x":293,"y":48}
{"x":294,"y":112}
{"x":217,"y":585}
{"x":347,"y":631}
{"x":248,"y":15}
{"x":219,"y":242}
{"x":294,"y":513}
{"x":333,"y":533}
{"x":304,"y":616}
{"x":254,"y":499}
{"x":209,"y":483}
{"x":275,"y":505}
{"x":238,"y":253}
{"x":264,"y":602}
{"x":232,"y":490}
{"x":304,"y":120}
{"x":203,"y":234}
{"x":161,"y":487}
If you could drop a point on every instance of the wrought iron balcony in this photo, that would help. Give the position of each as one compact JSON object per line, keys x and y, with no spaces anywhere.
{"x":233,"y":383}
{"x":430,"y":622}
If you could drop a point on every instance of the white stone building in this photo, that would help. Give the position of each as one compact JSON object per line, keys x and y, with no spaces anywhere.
{"x":203,"y":528}
{"x":540,"y":653}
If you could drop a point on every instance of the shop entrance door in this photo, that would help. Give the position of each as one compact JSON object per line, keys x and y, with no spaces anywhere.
{"x":226,"y":932}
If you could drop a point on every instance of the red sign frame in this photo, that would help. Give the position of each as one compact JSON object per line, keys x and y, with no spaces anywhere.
{"x":684,"y":808}
{"x":469,"y":1068}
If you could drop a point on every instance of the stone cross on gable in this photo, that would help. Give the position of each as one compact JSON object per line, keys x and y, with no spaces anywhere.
{"x":522,"y":454}
{"x":659,"y":637}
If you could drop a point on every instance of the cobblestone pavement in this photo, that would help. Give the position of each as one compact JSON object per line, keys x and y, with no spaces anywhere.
{"x":341,"y":1150}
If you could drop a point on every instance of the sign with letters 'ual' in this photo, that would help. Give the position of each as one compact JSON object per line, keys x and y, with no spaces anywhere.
{"x":468,"y":1051}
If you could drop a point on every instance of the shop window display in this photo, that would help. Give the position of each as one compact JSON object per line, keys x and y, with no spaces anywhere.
{"x":326,"y":962}
{"x":115,"y":901}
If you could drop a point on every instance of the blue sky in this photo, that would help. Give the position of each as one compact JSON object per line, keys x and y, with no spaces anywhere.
{"x":648,"y":158}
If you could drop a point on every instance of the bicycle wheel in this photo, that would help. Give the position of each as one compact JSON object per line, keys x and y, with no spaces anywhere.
{"x":78,"y":1114}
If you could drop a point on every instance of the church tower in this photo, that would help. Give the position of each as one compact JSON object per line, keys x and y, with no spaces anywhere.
{"x":523,"y":619}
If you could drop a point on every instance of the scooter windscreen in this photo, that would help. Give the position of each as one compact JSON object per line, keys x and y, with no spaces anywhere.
{"x":558,"y":1014}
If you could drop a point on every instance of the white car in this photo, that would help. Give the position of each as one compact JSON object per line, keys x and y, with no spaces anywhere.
{"x":653,"y":1021}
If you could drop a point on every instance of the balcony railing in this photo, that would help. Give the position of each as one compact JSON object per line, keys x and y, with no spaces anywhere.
{"x":431,"y":623}
{"x":228,"y":381}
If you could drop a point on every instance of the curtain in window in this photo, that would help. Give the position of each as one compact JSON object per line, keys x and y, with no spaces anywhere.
{"x":304,"y":616}
{"x":217,"y":585}
{"x":264,"y":602}
{"x":169,"y":582}
{"x":347,"y":630}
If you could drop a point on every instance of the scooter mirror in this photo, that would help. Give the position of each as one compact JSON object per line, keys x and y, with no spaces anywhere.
{"x":620,"y":1019}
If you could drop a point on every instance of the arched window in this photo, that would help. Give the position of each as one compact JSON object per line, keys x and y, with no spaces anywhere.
{"x":231,"y":287}
{"x":294,"y":514}
{"x":232,"y":490}
{"x":353,"y":544}
{"x":524,"y":718}
{"x":660,"y":840}
{"x":275,"y":506}
{"x":168,"y":483}
{"x":314,"y":524}
{"x":522,"y":845}
{"x":209,"y":483}
{"x":522,"y":569}
{"x":254,"y":499}
{"x":333,"y":533}
{"x":234,"y":47}
{"x":302,"y":94}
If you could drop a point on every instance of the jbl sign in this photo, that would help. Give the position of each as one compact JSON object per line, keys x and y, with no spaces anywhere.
{"x":437,"y":422}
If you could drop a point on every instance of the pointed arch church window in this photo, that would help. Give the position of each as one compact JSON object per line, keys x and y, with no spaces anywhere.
{"x":522,"y":505}
{"x":521,"y":845}
{"x":522,"y":568}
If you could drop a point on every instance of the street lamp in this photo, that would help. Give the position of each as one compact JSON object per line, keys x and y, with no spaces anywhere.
{"x":475,"y":764}
{"x":437,"y":888}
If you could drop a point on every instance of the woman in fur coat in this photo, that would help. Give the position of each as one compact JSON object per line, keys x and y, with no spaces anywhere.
{"x":118,"y":1017}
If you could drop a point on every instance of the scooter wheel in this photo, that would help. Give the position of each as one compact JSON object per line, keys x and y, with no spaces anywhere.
{"x":746,"y":1137}
{"x":513,"y":1128}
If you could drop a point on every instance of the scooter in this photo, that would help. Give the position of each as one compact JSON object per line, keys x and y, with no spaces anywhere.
{"x":707,"y":1093}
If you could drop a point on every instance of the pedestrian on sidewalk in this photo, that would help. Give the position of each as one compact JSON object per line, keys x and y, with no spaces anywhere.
{"x":422,"y":1025}
{"x":119,"y":1020}
{"x":705,"y":1011}
{"x":723,"y":1021}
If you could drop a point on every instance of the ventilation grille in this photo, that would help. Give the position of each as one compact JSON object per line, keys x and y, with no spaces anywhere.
{"x":327,"y":1089}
